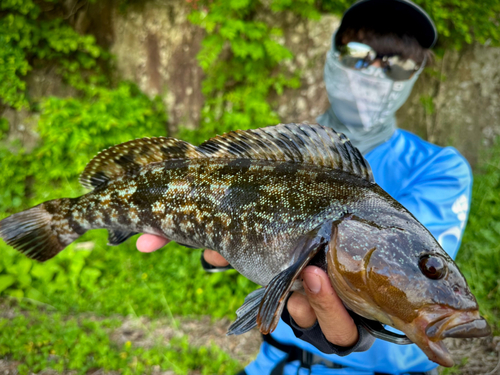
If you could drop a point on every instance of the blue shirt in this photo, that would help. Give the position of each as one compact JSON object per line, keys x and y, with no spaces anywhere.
{"x":434,"y":184}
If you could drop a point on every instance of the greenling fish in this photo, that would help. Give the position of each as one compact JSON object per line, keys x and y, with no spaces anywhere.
{"x":271,"y":201}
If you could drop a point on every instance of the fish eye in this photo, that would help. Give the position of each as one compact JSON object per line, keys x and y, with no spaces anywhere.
{"x":432,"y":266}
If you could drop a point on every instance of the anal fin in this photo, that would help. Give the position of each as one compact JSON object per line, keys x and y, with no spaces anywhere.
{"x":247,"y":313}
{"x":116,"y":236}
{"x":273,"y":302}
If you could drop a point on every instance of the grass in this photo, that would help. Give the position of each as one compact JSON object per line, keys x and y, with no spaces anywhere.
{"x":39,"y":340}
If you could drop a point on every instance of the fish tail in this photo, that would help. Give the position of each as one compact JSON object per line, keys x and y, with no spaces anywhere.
{"x":43,"y":231}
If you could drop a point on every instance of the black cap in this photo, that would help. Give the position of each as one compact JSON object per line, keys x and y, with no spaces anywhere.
{"x":400,"y":16}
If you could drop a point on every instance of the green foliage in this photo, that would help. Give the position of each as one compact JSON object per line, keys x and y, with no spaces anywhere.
{"x":463,"y":22}
{"x":71,"y":131}
{"x":26,"y":35}
{"x":242,"y":57}
{"x":456,"y":369}
{"x":428,"y":104}
{"x":74,"y":130}
{"x":42,"y":341}
{"x":479,"y":256}
{"x":14,"y":66}
{"x":91,"y":276}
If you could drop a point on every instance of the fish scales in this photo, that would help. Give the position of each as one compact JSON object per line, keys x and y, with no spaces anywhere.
{"x":271,"y":201}
{"x":238,"y":207}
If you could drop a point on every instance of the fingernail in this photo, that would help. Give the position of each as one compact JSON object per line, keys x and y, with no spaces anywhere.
{"x":313,"y":283}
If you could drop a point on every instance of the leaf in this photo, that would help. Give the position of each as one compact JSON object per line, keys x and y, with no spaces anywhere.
{"x":16,"y":293}
{"x":6,"y":281}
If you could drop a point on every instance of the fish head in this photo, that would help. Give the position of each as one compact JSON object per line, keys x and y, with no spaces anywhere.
{"x":403,"y":278}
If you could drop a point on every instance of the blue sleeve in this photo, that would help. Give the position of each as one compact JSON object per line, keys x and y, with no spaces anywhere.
{"x":438,"y":195}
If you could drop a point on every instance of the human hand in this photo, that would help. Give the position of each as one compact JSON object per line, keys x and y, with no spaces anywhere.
{"x":320,"y":303}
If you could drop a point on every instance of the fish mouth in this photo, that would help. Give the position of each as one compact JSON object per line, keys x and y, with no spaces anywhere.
{"x":459,"y":325}
{"x":432,"y":326}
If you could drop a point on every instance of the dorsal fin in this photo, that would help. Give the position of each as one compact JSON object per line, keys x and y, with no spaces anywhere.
{"x":128,"y":157}
{"x":305,"y":143}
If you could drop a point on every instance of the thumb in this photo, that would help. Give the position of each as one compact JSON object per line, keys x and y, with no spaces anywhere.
{"x":333,"y":318}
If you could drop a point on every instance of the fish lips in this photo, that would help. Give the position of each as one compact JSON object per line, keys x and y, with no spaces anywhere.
{"x":459,"y":325}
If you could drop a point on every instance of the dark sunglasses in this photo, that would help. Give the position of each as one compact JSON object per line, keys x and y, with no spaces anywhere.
{"x":360,"y":56}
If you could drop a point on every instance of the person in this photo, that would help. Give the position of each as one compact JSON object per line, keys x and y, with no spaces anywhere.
{"x":377,"y":54}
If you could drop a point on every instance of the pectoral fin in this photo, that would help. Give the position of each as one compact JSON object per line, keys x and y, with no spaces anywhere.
{"x":247,"y":313}
{"x":280,"y":286}
{"x":264,"y":306}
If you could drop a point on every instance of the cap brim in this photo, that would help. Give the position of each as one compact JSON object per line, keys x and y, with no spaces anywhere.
{"x":399,"y":16}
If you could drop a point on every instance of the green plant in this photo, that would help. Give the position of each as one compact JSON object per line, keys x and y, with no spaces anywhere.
{"x":455,"y":370}
{"x":479,"y":256}
{"x":242,"y":58}
{"x":41,"y":340}
{"x":28,"y":35}
{"x":91,"y":276}
{"x":71,"y":131}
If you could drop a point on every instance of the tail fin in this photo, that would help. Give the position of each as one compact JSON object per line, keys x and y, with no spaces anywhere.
{"x":43,"y":231}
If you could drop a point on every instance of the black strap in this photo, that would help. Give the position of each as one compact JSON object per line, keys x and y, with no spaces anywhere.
{"x":294,"y":353}
{"x":209,"y":268}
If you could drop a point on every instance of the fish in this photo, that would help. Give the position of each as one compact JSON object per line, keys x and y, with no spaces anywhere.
{"x":271,"y":201}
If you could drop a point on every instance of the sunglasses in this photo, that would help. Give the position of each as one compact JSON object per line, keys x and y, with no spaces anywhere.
{"x":360,"y":56}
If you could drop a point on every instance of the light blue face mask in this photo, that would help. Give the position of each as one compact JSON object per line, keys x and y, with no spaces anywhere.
{"x":363,"y":102}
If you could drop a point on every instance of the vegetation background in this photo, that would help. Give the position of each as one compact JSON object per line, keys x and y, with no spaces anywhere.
{"x":61,"y":314}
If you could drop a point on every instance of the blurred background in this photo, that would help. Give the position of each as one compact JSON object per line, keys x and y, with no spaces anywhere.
{"x":77,"y":76}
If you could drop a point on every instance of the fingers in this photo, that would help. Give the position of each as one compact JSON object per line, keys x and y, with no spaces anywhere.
{"x":301,"y":311}
{"x":214,"y":258}
{"x":147,"y":243}
{"x":334,"y":320}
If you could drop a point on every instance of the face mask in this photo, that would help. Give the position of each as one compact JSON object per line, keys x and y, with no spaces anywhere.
{"x":363,"y":99}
